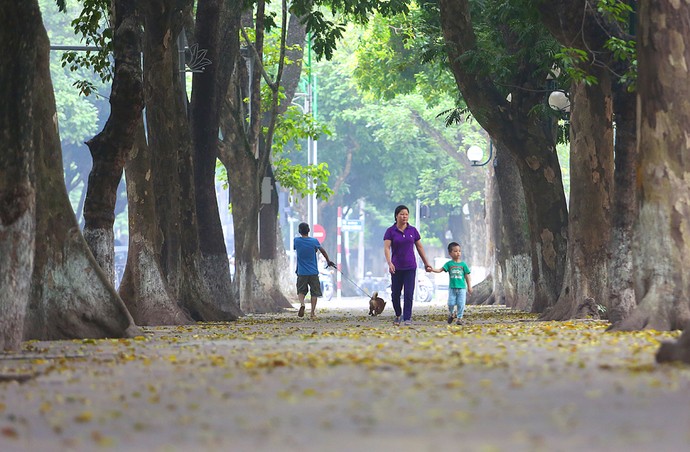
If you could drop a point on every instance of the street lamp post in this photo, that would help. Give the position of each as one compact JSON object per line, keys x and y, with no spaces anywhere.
{"x":475,"y":154}
{"x":559,"y":101}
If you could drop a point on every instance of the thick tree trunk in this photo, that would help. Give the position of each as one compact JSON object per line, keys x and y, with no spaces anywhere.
{"x":109,"y":149}
{"x":245,"y":207}
{"x":20,"y":40}
{"x":575,"y":24}
{"x":173,"y":169}
{"x":208,"y":89}
{"x":256,"y":279}
{"x":513,"y":127}
{"x":237,"y":154}
{"x":591,"y":180}
{"x":477,"y":234}
{"x":513,"y":284}
{"x":270,"y":268}
{"x":624,"y":212}
{"x":542,"y":183}
{"x":144,"y":288}
{"x":71,"y":297}
{"x":662,"y":232}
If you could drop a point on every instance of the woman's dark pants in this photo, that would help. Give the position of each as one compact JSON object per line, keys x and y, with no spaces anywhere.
{"x":400,"y":279}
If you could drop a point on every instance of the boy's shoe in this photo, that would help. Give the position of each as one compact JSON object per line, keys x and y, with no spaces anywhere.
{"x":450,"y":319}
{"x":301,"y":311}
{"x":397,"y":320}
{"x":460,"y":322}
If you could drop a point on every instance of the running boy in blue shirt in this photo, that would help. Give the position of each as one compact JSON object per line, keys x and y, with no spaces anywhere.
{"x":459,"y":282}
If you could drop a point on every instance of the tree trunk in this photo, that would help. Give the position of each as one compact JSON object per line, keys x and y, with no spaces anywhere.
{"x":591,"y":179}
{"x":208,"y":89}
{"x":492,"y":205}
{"x":71,"y":297}
{"x":237,"y":154}
{"x":477,"y":234}
{"x":173,"y":169}
{"x":144,"y":288}
{"x":274,"y":267}
{"x":246,"y":160}
{"x":20,"y":40}
{"x":662,"y":232}
{"x":510,"y":274}
{"x":513,"y":127}
{"x":624,"y":212}
{"x":565,"y":21}
{"x":513,"y":284}
{"x":110,"y":148}
{"x":542,"y":183}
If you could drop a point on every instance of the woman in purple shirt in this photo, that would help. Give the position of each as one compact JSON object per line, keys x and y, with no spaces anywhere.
{"x":399,"y":243}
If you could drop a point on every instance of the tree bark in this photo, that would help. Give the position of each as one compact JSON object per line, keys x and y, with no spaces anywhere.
{"x":621,"y":287}
{"x":110,"y":148}
{"x":247,"y":159}
{"x":510,"y":273}
{"x":577,"y":24}
{"x":591,"y":180}
{"x":237,"y":153}
{"x":71,"y":297}
{"x":511,"y":126}
{"x":513,"y":283}
{"x":20,"y":41}
{"x":662,"y":232}
{"x":208,"y":89}
{"x":173,"y":169}
{"x":144,"y":288}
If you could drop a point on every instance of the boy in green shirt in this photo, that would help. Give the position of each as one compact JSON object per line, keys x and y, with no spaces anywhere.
{"x":459,"y":284}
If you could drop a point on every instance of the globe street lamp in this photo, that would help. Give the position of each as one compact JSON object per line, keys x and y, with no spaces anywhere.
{"x":475,"y":154}
{"x":559,"y":101}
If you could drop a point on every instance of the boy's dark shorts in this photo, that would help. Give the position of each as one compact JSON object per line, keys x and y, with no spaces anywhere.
{"x":310,"y":284}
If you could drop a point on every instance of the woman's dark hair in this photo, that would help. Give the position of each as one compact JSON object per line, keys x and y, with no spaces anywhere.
{"x":398,"y":209}
{"x":303,"y":228}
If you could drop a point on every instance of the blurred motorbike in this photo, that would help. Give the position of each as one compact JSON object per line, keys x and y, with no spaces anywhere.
{"x":423,"y":290}
{"x":326,"y":281}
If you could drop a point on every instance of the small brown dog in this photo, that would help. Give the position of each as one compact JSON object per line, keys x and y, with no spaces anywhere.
{"x":376,"y":304}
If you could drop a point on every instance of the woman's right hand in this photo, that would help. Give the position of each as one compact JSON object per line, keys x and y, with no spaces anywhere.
{"x":391,"y":268}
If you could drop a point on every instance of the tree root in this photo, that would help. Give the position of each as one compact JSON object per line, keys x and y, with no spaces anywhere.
{"x":678,"y":351}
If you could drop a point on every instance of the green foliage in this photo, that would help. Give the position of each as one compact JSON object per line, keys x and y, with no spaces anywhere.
{"x":93,"y":27}
{"x":79,"y":119}
{"x":617,"y":18}
{"x":570,"y":59}
{"x":293,"y":127}
{"x":396,"y":155}
{"x":297,"y":177}
{"x":615,"y":10}
{"x":326,"y":19}
{"x":390,"y":60}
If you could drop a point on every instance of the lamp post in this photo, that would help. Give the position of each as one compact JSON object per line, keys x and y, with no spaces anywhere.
{"x":559,"y":101}
{"x":475,"y":154}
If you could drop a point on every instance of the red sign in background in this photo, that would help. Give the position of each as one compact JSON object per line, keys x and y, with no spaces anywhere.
{"x":319,"y":233}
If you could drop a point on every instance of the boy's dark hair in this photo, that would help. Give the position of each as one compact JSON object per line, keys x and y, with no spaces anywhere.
{"x":398,"y":209}
{"x":452,"y":245}
{"x":303,"y":228}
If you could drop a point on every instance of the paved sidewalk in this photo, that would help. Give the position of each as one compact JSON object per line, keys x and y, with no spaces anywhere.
{"x":346,"y":381}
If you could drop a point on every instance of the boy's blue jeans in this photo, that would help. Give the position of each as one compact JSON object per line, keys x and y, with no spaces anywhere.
{"x":457,"y":297}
